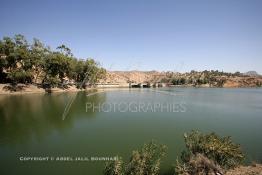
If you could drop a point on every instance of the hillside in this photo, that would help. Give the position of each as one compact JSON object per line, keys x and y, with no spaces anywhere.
{"x":193,"y":78}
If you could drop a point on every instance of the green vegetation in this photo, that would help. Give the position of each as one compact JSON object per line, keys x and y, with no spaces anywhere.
{"x":143,"y":162}
{"x":213,"y":78}
{"x":114,"y":167}
{"x":179,"y":81}
{"x":204,"y":154}
{"x":21,"y":62}
{"x":259,"y":84}
{"x":208,"y":153}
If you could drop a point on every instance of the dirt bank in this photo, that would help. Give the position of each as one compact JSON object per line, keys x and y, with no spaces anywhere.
{"x":255,"y":169}
{"x":31,"y":89}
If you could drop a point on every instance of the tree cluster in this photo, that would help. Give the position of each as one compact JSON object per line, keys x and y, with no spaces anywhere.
{"x":213,"y":78}
{"x":22,"y":62}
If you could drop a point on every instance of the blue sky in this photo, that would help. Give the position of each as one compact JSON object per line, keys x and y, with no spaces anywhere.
{"x":180,"y":35}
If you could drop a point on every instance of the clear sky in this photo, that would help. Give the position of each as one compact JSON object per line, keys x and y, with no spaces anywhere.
{"x":178,"y":35}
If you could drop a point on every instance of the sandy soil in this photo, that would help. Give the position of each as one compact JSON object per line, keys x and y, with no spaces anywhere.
{"x":255,"y":169}
{"x":31,"y":89}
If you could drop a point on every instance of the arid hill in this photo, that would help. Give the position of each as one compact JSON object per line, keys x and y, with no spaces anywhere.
{"x":132,"y":76}
{"x":193,"y":78}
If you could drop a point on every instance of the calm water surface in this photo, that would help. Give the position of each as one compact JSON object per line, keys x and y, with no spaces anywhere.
{"x":32,"y":125}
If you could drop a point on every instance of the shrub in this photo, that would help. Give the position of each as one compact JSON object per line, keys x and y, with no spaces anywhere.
{"x":143,"y":162}
{"x":198,"y":165}
{"x":218,"y":151}
{"x":114,"y":167}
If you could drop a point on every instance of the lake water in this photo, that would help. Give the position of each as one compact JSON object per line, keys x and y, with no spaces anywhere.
{"x":119,"y":121}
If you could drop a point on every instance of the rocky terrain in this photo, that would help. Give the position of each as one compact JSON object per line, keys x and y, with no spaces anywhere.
{"x":193,"y":78}
{"x":189,"y":79}
{"x":255,"y":169}
{"x":132,"y":76}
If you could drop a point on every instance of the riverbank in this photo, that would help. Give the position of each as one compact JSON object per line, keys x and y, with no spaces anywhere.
{"x":7,"y":89}
{"x":255,"y":169}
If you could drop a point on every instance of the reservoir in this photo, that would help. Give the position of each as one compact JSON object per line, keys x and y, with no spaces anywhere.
{"x":86,"y":130}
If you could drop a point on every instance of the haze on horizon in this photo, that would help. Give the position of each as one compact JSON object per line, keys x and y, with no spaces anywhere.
{"x":145,"y":35}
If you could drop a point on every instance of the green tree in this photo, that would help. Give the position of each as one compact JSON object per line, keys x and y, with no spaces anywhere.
{"x":3,"y":63}
{"x":38,"y":56}
{"x":174,"y":81}
{"x":21,"y":62}
{"x":57,"y":67}
{"x":182,"y":80}
{"x":16,"y":64}
{"x":65,"y":50}
{"x":88,"y":71}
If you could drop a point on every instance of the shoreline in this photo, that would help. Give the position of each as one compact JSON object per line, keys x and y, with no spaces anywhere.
{"x":33,"y":89}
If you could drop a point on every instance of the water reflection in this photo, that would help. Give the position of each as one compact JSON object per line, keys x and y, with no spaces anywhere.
{"x":24,"y":117}
{"x":32,"y":125}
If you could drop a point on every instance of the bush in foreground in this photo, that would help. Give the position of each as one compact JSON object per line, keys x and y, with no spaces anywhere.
{"x":208,"y":153}
{"x":114,"y":167}
{"x":205,"y":154}
{"x":143,"y":162}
